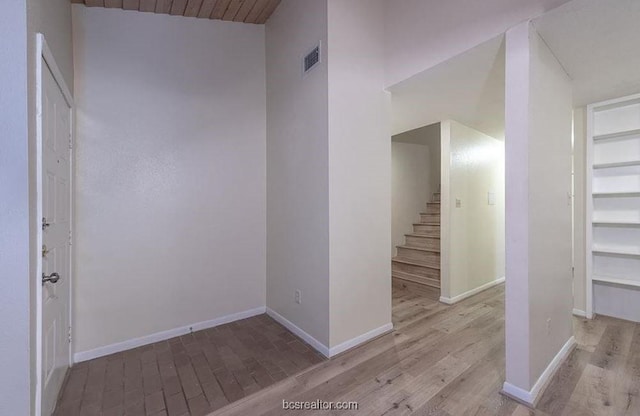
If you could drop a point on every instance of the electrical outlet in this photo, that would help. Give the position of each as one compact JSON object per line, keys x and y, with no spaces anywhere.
{"x":458,"y":203}
{"x":549,"y":326}
{"x":298,"y":296}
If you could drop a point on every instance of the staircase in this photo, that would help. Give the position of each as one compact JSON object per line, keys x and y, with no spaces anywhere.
{"x":418,"y":260}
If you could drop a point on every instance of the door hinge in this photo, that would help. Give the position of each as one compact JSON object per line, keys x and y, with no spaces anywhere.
{"x":70,"y":241}
{"x":69,"y":335}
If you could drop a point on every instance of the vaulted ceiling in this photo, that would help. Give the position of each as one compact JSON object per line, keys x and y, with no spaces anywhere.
{"x":597,"y":44}
{"x":468,"y":88}
{"x":247,"y":11}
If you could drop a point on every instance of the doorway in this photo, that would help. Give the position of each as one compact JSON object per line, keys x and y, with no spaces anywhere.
{"x":465,"y":210}
{"x":54,"y":186}
{"x":415,"y":207}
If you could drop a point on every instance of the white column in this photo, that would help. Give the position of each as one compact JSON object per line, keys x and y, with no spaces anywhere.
{"x":538,"y":213}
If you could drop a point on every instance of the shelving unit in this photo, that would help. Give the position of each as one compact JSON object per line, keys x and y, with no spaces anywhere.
{"x":613,"y":208}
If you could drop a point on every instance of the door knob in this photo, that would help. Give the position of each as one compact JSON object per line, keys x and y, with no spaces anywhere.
{"x":52,"y":278}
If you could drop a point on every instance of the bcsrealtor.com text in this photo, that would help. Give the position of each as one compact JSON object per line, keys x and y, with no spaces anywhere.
{"x":318,"y":405}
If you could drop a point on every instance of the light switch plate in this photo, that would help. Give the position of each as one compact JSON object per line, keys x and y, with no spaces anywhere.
{"x":491,"y":198}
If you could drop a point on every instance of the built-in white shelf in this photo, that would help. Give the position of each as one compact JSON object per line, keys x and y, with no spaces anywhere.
{"x":616,"y":281}
{"x":610,"y":251}
{"x":616,"y":223}
{"x":628,"y":134}
{"x":613,"y":211}
{"x":616,"y":194}
{"x":617,"y":164}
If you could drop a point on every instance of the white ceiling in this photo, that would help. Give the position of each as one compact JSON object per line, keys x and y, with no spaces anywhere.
{"x":468,"y":88}
{"x":422,"y":135}
{"x":598,"y":43}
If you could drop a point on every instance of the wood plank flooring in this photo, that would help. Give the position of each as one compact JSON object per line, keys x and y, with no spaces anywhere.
{"x":440,"y":360}
{"x":449,"y":361}
{"x":190,"y":375}
{"x":602,"y":376}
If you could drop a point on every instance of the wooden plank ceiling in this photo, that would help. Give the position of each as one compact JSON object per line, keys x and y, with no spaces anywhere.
{"x":247,"y":11}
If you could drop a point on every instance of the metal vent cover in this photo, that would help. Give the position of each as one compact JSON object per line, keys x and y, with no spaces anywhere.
{"x":311,"y":59}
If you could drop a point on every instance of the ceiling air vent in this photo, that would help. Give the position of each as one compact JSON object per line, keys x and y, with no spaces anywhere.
{"x":311,"y":59}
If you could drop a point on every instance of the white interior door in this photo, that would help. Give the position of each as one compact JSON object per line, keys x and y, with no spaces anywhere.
{"x":56,"y":229}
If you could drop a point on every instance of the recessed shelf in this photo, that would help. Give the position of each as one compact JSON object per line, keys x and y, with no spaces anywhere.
{"x":608,"y":251}
{"x":616,"y":280}
{"x":616,"y":164}
{"x":616,"y":223}
{"x":616,"y":103}
{"x":616,"y":194}
{"x":628,"y":134}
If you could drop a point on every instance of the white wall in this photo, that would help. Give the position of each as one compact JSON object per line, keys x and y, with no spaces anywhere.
{"x":474,"y":250}
{"x":538,"y":217}
{"x":549,"y":187}
{"x":170,"y":170}
{"x":359,"y":172}
{"x":53,"y":19}
{"x":421,"y":34}
{"x":328,"y":209}
{"x":15,"y":357}
{"x":410,"y":177}
{"x":297,"y":168}
{"x":579,"y":205}
{"x":430,"y":137}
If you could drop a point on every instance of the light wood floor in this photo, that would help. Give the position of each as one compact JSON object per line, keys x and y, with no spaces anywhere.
{"x":449,"y":361}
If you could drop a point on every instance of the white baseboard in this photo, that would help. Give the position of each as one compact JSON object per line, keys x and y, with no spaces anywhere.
{"x":462,"y":296}
{"x":531,"y":397}
{"x":163,"y":335}
{"x":580,"y":313}
{"x":319,"y":346}
{"x":354,"y":342}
